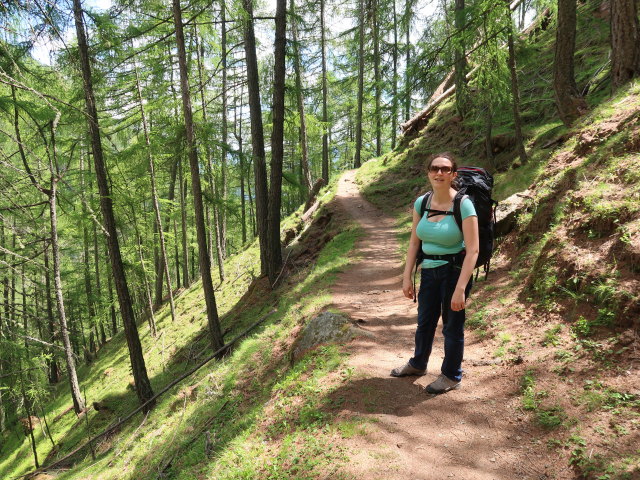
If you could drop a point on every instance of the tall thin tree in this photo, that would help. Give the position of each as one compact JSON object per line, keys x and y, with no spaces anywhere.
{"x":138,"y":367}
{"x":154,"y":196}
{"x":325,"y":116}
{"x":515,"y":90}
{"x":394,"y":84}
{"x":215,"y":333}
{"x":257,"y":134}
{"x":277,"y":143}
{"x":460,"y":58}
{"x":51,"y":193}
{"x":304,"y":158}
{"x":625,"y":42}
{"x":357,"y":161}
{"x":375,"y":24}
{"x":569,"y":102}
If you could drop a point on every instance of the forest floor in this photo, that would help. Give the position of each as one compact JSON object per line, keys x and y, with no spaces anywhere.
{"x":476,"y":432}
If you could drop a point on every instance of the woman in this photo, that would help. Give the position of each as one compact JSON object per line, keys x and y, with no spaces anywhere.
{"x":445,"y":276}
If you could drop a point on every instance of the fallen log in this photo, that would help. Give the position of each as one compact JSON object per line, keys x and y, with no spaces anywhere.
{"x":420,"y":119}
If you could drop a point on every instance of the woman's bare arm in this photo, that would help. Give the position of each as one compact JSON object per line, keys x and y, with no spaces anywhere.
{"x":414,"y":244}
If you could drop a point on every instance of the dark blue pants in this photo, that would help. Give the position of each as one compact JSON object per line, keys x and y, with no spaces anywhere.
{"x":434,"y":299}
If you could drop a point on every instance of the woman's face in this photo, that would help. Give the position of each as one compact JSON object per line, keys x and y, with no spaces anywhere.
{"x":441,"y":172}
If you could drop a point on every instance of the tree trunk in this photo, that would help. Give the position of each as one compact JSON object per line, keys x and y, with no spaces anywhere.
{"x":222,"y":232}
{"x":183,"y":224}
{"x":325,"y":117}
{"x":112,"y":308}
{"x":407,"y":62}
{"x":177,"y":253}
{"x":569,"y":102}
{"x":4,"y":334}
{"x":78,"y":404}
{"x":139,"y":370}
{"x":376,"y":76}
{"x":215,"y":333}
{"x":156,"y":205}
{"x":210,"y":173}
{"x":88,"y":287}
{"x":357,"y":159}
{"x":460,"y":60}
{"x":237,"y":122}
{"x":252,"y":210}
{"x":277,"y":144}
{"x":625,"y":42}
{"x":304,"y":160}
{"x":53,"y":367}
{"x":151,"y":318}
{"x":28,"y":412}
{"x":394,"y":94}
{"x":488,"y":128}
{"x":515,"y":93}
{"x":181,"y":192}
{"x":96,"y":263}
{"x":160,"y":274}
{"x":257,"y":135}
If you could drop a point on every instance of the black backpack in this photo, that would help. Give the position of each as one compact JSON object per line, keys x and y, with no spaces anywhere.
{"x":477,"y":184}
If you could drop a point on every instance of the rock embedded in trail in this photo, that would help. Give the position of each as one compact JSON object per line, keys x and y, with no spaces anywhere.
{"x":325,"y":328}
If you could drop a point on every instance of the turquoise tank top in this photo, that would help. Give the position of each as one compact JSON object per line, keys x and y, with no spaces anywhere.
{"x":443,"y":237}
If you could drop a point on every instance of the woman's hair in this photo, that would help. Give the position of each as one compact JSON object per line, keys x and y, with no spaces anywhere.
{"x":449,"y":156}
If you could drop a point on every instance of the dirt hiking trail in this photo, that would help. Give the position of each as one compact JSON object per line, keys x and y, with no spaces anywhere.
{"x":475,"y":432}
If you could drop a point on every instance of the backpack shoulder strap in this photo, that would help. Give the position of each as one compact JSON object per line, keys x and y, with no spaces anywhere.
{"x":425,"y":201}
{"x":457,"y":211}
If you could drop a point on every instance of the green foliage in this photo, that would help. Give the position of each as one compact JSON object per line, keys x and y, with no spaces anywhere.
{"x":548,"y":417}
{"x":478,"y":321}
{"x":597,"y":396}
{"x":551,"y":336}
{"x":581,"y":327}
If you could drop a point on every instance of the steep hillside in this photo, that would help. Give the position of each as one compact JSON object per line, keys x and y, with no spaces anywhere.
{"x":206,"y":421}
{"x":561,"y":307}
{"x":558,"y":315}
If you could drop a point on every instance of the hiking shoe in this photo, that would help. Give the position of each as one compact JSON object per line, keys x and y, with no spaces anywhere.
{"x":407,"y":370}
{"x":442,"y":384}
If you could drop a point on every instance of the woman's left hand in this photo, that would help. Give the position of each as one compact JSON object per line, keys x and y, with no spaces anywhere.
{"x":457,"y":300}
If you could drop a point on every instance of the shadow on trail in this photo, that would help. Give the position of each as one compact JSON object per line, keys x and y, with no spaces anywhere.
{"x":462,"y":434}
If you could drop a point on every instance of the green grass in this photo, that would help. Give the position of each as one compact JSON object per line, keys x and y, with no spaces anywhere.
{"x":478,"y":321}
{"x":596,"y":396}
{"x":551,"y":336}
{"x":185,"y":435}
{"x":547,"y":416}
{"x":223,"y":431}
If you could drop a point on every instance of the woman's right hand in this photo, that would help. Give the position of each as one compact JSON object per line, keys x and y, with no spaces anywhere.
{"x":407,"y":287}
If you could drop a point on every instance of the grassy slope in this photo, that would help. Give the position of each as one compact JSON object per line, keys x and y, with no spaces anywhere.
{"x":254,"y":415}
{"x":206,"y":425}
{"x":563,"y":303}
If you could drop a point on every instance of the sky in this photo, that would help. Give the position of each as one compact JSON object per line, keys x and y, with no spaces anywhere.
{"x":43,"y":48}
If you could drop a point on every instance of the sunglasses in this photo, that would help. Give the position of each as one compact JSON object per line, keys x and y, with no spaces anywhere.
{"x":436,"y":169}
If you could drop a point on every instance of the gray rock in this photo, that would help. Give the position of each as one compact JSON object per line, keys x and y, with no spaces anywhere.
{"x":509,"y":209}
{"x":325,"y":328}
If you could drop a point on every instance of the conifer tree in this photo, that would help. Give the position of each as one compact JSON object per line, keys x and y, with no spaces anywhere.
{"x":215,"y":333}
{"x":625,"y":42}
{"x":138,"y":367}
{"x":569,"y":102}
